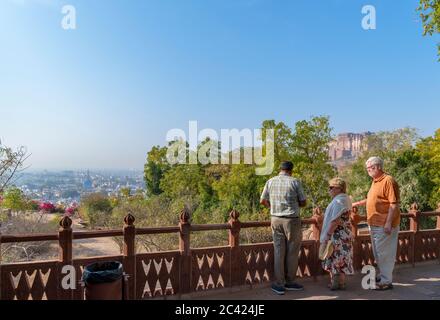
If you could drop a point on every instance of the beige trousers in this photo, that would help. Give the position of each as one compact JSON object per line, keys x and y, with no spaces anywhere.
{"x":287,"y":237}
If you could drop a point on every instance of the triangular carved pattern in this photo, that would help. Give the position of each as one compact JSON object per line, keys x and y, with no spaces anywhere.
{"x":31,"y":285}
{"x":403,"y":250}
{"x":367,"y":257}
{"x":156,"y":277}
{"x":259,"y":264}
{"x":305,"y":261}
{"x":430,"y":247}
{"x":208,"y":268}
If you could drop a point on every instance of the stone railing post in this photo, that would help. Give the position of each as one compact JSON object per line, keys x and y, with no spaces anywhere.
{"x":129,"y":255}
{"x":438,"y":217}
{"x":414,"y":226}
{"x":317,"y":226}
{"x":65,"y":238}
{"x":438,"y":229}
{"x":355,"y":218}
{"x":185,"y":252}
{"x":316,"y":233}
{"x":234,"y":242}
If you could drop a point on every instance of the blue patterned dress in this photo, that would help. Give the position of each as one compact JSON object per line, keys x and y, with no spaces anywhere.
{"x":341,"y":261}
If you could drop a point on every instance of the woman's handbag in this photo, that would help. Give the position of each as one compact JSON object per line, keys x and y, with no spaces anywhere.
{"x":325,"y":250}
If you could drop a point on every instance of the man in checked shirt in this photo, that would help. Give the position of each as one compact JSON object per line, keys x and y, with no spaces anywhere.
{"x":284,"y":195}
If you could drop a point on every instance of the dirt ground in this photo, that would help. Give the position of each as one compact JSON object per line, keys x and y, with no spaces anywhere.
{"x":84,"y":247}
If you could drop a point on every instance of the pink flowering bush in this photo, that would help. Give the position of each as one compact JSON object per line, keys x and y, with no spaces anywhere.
{"x":72,"y":209}
{"x":47,"y":207}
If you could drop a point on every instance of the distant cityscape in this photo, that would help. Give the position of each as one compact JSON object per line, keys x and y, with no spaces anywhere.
{"x":71,"y":185}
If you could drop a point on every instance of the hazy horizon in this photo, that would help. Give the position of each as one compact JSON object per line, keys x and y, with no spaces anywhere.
{"x":100,"y":96}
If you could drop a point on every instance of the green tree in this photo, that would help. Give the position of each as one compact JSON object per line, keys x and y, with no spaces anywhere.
{"x":413,"y":179}
{"x":15,"y":199}
{"x":310,"y":144}
{"x":389,"y":144}
{"x":96,"y":208}
{"x":430,"y":15}
{"x":154,"y":169}
{"x":282,"y":141}
{"x":240,"y":189}
{"x":188,"y":186}
{"x":307,"y":147}
{"x":396,"y":148}
{"x":429,"y":150}
{"x":184,"y":180}
{"x":11,"y":163}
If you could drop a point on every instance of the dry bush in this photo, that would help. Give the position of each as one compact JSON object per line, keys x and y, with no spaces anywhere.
{"x":26,"y":223}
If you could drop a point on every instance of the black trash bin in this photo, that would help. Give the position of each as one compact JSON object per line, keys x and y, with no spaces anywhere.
{"x":103,"y":281}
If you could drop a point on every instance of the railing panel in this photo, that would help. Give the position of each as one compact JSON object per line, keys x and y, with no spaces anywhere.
{"x":307,"y":260}
{"x":405,"y":247}
{"x":211,"y":268}
{"x":257,"y":263}
{"x":364,"y":251}
{"x":30,"y":281}
{"x":427,"y":245}
{"x":157,"y":274}
{"x":189,"y":270}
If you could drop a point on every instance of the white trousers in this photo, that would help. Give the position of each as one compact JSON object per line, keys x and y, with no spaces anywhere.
{"x":384,"y":251}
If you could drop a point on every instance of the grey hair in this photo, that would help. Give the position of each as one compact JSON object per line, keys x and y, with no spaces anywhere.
{"x":375,"y":161}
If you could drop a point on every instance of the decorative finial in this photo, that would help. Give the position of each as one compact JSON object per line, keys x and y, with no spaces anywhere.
{"x":234,"y":214}
{"x":65,"y":222}
{"x":317,"y":211}
{"x":414,"y":207}
{"x":184,"y":215}
{"x":129,"y":219}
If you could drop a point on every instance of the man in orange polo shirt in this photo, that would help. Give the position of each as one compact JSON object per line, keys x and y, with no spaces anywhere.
{"x":383,"y":216}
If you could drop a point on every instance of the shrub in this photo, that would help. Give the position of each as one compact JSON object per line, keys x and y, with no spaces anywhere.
{"x":33,"y":223}
{"x":33,"y":205}
{"x":72,"y":209}
{"x":47,"y":207}
{"x":60,"y":208}
{"x":96,"y":208}
{"x":14,"y":199}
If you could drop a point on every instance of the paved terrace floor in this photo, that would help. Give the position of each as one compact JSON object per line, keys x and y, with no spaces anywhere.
{"x":419,"y":283}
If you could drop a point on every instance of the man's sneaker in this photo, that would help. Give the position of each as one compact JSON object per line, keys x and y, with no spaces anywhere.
{"x":294,"y":287}
{"x":278,"y":289}
{"x":384,"y":286}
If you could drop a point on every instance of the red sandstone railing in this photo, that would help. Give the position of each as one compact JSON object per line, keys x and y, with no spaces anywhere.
{"x":189,"y":269}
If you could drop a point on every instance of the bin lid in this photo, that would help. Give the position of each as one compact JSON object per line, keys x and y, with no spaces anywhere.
{"x":102,"y":272}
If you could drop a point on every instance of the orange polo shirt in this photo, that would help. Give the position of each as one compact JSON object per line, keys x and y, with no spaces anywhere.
{"x":384,"y":191}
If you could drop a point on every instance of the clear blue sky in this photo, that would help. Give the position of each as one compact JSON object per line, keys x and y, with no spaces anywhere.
{"x":102,"y":95}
